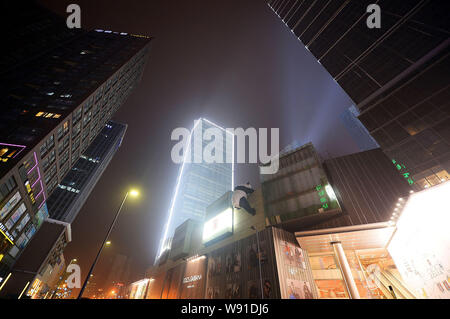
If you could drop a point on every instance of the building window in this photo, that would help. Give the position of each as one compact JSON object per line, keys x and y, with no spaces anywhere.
{"x":48,"y":115}
{"x":62,"y":130}
{"x":7,"y":187}
{"x":76,"y":129}
{"x":43,"y":149}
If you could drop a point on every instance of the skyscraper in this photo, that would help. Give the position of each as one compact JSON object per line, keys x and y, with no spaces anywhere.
{"x":64,"y":205}
{"x":72,"y":192}
{"x":396,"y":75}
{"x":55,"y":101}
{"x":199,"y":183}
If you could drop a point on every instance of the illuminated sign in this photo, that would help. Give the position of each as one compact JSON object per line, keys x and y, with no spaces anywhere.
{"x":192,"y":284}
{"x":139,"y":289}
{"x":6,"y":233}
{"x":402,"y":169}
{"x":8,"y":151}
{"x":322,"y":192}
{"x":218,"y":226}
{"x":35,"y":288}
{"x":10,"y":205}
{"x":191,"y":279}
{"x":420,"y":245}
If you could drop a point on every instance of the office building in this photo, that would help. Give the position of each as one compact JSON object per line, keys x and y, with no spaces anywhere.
{"x":396,"y":74}
{"x":68,"y":198}
{"x":74,"y":189}
{"x":367,"y":187}
{"x":299,"y":194}
{"x":199,"y":183}
{"x":55,"y":101}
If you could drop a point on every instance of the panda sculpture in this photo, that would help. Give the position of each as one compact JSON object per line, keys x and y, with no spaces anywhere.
{"x":239,"y":198}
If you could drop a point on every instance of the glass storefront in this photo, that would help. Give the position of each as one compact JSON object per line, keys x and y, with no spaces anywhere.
{"x":370,"y":266}
{"x":327,"y":276}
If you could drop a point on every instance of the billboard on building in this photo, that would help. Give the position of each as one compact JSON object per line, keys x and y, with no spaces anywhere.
{"x":234,"y":270}
{"x":193,"y":281}
{"x":294,"y":271}
{"x":420,"y":246}
{"x":219,"y":220}
{"x":139,"y":289}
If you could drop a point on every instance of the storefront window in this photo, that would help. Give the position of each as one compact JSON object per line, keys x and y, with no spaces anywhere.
{"x":328,"y":277}
{"x":383,"y":280}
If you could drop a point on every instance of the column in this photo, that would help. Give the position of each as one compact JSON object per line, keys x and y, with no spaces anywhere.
{"x":345,"y":269}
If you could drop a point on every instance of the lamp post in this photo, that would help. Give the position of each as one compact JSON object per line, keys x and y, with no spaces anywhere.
{"x":259,"y":261}
{"x":133,"y":193}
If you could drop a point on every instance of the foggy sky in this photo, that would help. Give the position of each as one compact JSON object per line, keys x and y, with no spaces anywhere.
{"x":231,"y":61}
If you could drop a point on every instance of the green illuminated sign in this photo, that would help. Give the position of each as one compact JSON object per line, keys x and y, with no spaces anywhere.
{"x":404,"y":171}
{"x":321,"y":192}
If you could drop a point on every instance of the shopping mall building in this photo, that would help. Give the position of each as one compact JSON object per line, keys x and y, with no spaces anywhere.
{"x":347,"y":227}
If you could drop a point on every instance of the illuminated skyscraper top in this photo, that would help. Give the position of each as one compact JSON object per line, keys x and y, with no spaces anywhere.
{"x":200,"y":183}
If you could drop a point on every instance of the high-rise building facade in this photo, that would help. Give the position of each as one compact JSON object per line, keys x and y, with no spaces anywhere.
{"x":299,"y":194}
{"x":396,"y":74}
{"x":367,"y":187}
{"x":55,"y":101}
{"x":72,"y":192}
{"x":199,"y":182}
{"x":65,"y":203}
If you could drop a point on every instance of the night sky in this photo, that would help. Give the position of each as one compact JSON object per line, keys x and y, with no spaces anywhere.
{"x":231,"y":61}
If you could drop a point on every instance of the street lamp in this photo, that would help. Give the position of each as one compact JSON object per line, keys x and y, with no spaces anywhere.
{"x":132,"y":193}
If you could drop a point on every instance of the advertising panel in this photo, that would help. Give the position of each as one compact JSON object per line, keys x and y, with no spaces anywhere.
{"x":139,"y":289}
{"x":294,"y":270}
{"x":10,"y":205}
{"x":420,"y":246}
{"x":298,"y":289}
{"x":218,"y":226}
{"x":193,"y":282}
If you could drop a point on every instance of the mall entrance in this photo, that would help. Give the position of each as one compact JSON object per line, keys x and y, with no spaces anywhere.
{"x":353,"y":262}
